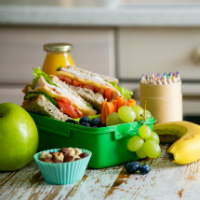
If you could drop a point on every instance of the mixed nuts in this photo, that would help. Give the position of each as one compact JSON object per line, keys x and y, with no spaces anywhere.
{"x":63,"y":155}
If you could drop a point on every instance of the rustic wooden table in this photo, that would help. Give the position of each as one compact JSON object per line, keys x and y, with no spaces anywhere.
{"x":165,"y":181}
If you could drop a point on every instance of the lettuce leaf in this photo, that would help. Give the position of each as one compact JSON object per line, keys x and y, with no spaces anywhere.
{"x":38,"y":73}
{"x":59,"y":67}
{"x":89,"y":105}
{"x":124,"y":92}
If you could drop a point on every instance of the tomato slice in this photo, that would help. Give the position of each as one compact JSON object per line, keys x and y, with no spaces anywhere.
{"x":108,"y":94}
{"x":65,"y":107}
{"x":66,"y":101}
{"x":77,"y":83}
{"x":68,"y":80}
{"x":89,"y":87}
{"x":61,"y":77}
{"x":99,"y":90}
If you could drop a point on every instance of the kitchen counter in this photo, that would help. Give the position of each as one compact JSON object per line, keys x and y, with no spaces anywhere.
{"x":165,"y":181}
{"x":98,"y":13}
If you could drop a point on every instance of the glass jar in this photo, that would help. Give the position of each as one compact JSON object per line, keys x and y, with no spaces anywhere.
{"x":58,"y":54}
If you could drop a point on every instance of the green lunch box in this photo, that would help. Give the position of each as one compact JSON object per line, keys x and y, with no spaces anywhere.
{"x":107,"y":144}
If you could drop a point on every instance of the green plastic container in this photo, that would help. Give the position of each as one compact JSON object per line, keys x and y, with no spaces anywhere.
{"x":107,"y":144}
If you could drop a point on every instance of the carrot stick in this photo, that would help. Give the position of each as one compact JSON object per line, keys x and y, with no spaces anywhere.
{"x":115,"y":103}
{"x":132,"y":101}
{"x":128,"y":104}
{"x":121,"y":102}
{"x":109,"y":108}
{"x":103,"y":113}
{"x":118,"y":98}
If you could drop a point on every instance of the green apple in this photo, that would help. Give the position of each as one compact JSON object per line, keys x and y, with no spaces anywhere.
{"x":18,"y":137}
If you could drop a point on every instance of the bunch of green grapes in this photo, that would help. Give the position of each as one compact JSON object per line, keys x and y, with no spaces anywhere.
{"x":127,"y":114}
{"x":146,"y":144}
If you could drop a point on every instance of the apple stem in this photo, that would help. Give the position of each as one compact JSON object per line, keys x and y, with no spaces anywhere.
{"x":1,"y":116}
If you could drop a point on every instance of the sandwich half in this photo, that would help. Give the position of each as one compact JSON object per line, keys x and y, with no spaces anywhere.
{"x":48,"y":99}
{"x":95,"y":99}
{"x":90,"y":86}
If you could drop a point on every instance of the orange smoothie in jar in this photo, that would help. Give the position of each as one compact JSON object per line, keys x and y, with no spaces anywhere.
{"x":58,"y":54}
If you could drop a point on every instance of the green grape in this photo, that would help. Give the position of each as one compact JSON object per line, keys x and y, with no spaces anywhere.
{"x":113,"y":119}
{"x":145,"y":131}
{"x":126,"y":114}
{"x":135,"y":143}
{"x":140,"y":153}
{"x":147,"y":114}
{"x":139,"y":112}
{"x":154,"y":136}
{"x":152,"y":149}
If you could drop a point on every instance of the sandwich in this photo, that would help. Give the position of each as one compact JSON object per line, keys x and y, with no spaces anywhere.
{"x":92,"y":87}
{"x":49,"y":99}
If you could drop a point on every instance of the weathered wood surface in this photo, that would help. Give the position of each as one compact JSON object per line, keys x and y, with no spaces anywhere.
{"x":166,"y":181}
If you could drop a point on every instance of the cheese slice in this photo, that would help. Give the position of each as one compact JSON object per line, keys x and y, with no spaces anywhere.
{"x":50,"y":92}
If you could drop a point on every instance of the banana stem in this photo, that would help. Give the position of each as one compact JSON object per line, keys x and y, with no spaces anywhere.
{"x":170,"y":157}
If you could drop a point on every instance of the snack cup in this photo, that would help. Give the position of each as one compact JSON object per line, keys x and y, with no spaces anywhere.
{"x":63,"y":173}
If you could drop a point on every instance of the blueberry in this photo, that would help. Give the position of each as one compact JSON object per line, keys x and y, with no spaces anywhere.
{"x":132,"y":167}
{"x":96,"y":122}
{"x":144,"y":169}
{"x":71,"y":121}
{"x":85,"y":124}
{"x":84,"y":119}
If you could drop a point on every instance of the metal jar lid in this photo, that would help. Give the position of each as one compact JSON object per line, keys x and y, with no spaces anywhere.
{"x":57,"y":47}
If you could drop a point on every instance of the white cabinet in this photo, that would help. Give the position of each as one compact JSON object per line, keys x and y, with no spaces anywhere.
{"x":152,"y":50}
{"x":11,"y":94}
{"x":21,"y":49}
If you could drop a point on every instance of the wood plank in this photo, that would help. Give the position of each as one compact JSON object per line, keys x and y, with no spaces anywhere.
{"x":96,"y":185}
{"x":28,"y":183}
{"x":165,"y":181}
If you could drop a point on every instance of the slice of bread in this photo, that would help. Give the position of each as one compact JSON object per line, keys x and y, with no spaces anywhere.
{"x":86,"y":73}
{"x":42,"y":106}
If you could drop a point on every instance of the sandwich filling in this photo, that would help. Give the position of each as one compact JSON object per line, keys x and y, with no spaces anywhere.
{"x":93,"y":83}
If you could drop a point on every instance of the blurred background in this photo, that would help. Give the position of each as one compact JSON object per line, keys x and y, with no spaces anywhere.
{"x":122,"y":38}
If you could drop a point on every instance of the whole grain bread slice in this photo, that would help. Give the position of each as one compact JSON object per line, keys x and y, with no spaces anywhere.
{"x":42,"y":106}
{"x":85,"y":72}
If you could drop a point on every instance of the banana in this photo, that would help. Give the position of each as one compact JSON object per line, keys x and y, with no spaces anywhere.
{"x":187,"y":147}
